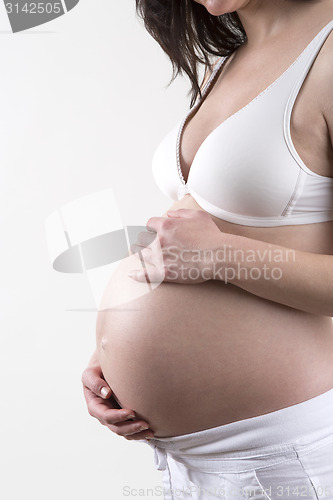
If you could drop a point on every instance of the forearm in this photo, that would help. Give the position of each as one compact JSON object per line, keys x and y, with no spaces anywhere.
{"x":298,"y":279}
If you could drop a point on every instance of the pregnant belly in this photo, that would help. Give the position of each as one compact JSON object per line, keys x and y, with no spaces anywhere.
{"x":190,"y":357}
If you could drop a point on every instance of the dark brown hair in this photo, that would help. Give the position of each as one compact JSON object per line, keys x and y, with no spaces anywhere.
{"x":189,"y":35}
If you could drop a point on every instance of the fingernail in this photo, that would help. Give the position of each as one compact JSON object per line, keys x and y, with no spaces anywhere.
{"x":130,"y":416}
{"x":143,"y":427}
{"x":104,"y":391}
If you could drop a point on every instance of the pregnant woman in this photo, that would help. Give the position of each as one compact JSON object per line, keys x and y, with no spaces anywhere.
{"x":226,"y":367}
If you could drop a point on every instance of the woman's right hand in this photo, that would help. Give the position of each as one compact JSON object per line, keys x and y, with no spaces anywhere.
{"x":103,"y":406}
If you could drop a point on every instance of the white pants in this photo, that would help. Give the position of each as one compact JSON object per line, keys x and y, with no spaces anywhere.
{"x":282,"y":455}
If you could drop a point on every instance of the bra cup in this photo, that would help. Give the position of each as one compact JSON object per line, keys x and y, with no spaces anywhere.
{"x":244,"y":166}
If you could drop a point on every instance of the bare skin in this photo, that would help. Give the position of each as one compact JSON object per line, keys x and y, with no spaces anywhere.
{"x":216,"y":353}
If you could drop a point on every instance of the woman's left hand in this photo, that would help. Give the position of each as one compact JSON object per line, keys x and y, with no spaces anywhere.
{"x":178,"y":248}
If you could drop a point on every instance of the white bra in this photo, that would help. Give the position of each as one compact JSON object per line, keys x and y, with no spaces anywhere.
{"x":247,"y":171}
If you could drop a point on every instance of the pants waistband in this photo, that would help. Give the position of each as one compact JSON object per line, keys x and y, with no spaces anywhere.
{"x":300,"y":424}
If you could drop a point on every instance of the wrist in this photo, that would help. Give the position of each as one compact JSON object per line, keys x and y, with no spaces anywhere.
{"x":227,"y":258}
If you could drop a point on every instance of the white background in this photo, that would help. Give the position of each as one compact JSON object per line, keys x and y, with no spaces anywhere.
{"x":83,"y":105}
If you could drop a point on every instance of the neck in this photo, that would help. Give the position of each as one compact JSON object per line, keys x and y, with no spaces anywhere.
{"x":267,"y":19}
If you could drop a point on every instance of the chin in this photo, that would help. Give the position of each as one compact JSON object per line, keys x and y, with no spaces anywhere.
{"x":220,"y":7}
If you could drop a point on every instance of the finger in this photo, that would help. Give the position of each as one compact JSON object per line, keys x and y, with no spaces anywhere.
{"x":95,"y":383}
{"x":145,"y":238}
{"x":151,"y":275}
{"x":114,"y":416}
{"x":101,"y":410}
{"x":142,"y":253}
{"x":154,"y":223}
{"x":129,"y":428}
{"x":130,"y":435}
{"x":90,"y":396}
{"x":136,"y":249}
{"x":140,"y":435}
{"x":135,"y":252}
